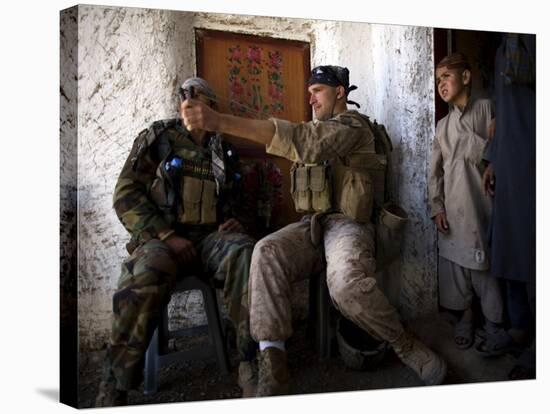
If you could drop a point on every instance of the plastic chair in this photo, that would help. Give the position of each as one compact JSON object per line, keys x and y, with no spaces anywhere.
{"x":320,"y":306}
{"x":158,"y":356}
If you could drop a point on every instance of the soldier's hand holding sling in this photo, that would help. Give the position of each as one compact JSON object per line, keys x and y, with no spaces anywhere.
{"x":231,"y":225}
{"x":182,"y":248}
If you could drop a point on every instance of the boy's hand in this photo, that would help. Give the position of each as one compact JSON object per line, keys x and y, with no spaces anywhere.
{"x":488,"y":181}
{"x":231,"y":225}
{"x":492,"y":129}
{"x":198,"y":115}
{"x":442,"y":223}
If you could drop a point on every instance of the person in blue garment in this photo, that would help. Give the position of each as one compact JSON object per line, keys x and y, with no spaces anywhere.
{"x":510,"y":179}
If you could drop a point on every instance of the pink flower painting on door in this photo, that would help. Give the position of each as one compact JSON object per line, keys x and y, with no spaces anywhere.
{"x":248,"y":70}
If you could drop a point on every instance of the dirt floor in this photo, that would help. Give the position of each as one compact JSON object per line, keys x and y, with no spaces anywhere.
{"x":201,"y":380}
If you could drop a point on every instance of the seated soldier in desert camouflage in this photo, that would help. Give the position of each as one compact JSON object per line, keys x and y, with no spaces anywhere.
{"x":155,"y":199}
{"x":322,"y":148}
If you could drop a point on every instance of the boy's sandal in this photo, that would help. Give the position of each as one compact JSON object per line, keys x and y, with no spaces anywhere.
{"x":497,"y":344}
{"x":464,"y":334}
{"x":480,"y":334}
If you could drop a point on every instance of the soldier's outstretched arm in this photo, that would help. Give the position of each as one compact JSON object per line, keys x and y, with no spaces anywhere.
{"x":298,"y":142}
{"x":197,"y":115}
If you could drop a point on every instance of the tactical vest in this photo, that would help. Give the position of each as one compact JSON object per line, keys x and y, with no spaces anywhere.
{"x":352,"y":185}
{"x":184,"y":187}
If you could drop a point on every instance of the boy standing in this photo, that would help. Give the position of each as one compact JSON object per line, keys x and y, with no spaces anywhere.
{"x":457,"y":203}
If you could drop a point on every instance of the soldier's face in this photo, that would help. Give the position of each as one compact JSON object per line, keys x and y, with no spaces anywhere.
{"x":322,"y":99}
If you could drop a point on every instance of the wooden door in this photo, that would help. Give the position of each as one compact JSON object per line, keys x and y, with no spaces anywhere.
{"x":257,"y":77}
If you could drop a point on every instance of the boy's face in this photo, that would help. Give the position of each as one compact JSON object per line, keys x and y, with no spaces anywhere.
{"x":451,"y":84}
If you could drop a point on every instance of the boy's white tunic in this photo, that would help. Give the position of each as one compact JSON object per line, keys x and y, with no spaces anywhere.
{"x":455,"y":183}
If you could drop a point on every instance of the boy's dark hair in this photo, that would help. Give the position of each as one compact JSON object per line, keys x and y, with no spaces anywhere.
{"x":455,"y":61}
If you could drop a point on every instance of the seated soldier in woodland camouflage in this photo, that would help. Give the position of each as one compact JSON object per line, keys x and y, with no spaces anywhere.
{"x":177,"y":196}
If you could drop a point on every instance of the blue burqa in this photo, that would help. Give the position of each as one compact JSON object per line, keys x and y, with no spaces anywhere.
{"x":512,"y":154}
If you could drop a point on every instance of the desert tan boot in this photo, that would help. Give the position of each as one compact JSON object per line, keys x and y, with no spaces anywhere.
{"x":109,"y":396}
{"x":273,"y":376}
{"x":248,"y":378}
{"x":429,"y":366}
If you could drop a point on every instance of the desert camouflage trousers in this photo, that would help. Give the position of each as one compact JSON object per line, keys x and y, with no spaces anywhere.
{"x":288,"y":255}
{"x":144,"y":288}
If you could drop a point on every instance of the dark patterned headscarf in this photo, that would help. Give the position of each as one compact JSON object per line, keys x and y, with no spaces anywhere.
{"x":519,"y":64}
{"x":333,"y":76}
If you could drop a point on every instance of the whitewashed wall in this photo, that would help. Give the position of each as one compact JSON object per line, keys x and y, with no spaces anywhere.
{"x":129,"y":64}
{"x":68,"y":178}
{"x":401,"y":96}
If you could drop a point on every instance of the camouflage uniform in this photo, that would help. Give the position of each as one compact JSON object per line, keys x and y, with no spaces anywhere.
{"x":289,"y":254}
{"x":149,"y":274}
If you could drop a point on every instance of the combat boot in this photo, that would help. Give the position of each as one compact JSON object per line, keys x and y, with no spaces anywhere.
{"x":109,"y":396}
{"x":248,"y":378}
{"x":429,"y":366}
{"x":273,"y":376}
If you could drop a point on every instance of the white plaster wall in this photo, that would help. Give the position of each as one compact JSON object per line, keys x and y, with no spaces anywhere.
{"x":401,"y":96}
{"x":278,"y":27}
{"x":130,"y":61}
{"x":346,"y":44}
{"x":68,"y":165}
